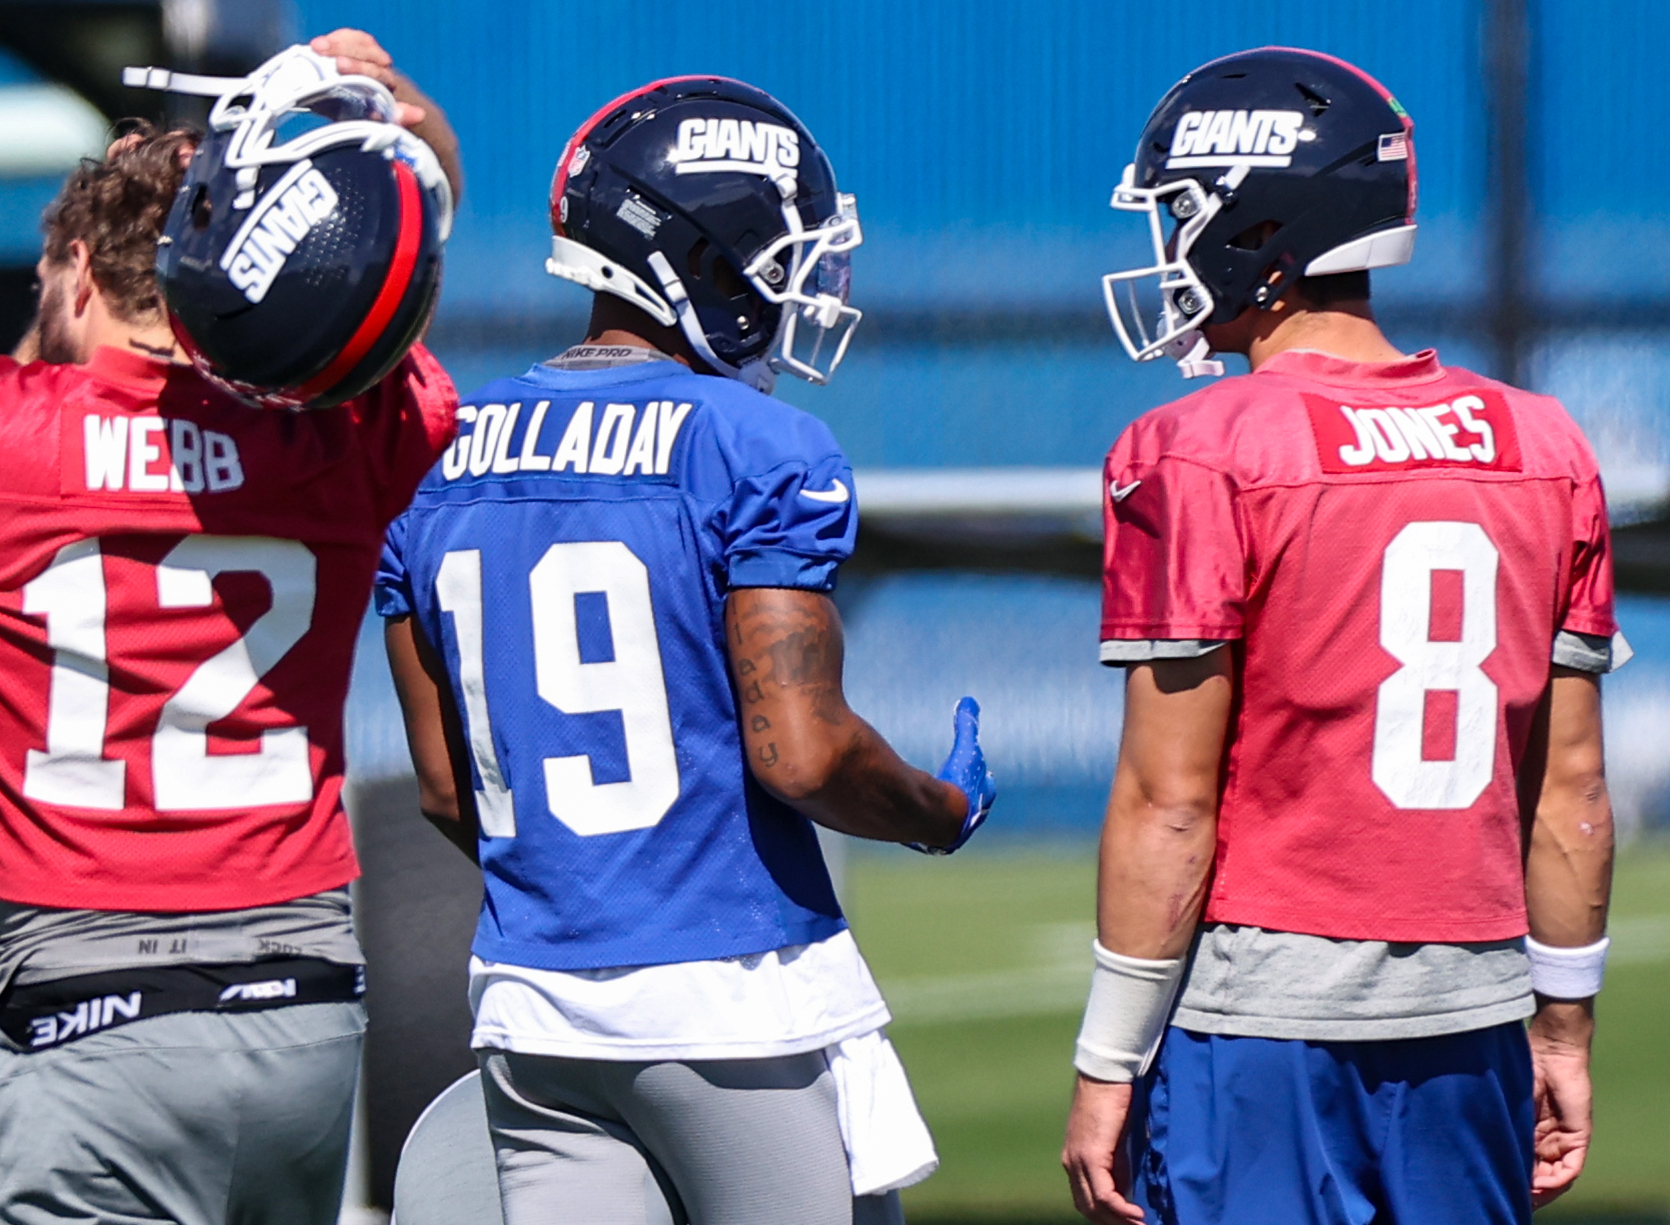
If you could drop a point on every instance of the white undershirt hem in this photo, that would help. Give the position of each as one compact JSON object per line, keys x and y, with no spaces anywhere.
{"x":785,"y":1002}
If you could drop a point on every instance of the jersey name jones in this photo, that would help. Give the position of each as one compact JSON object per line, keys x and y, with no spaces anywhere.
{"x":1470,"y":431}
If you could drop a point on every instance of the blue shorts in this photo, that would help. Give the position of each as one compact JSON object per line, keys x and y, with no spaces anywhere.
{"x":1244,"y":1131}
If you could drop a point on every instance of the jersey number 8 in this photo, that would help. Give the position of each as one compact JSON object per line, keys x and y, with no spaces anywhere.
{"x":1400,"y":767}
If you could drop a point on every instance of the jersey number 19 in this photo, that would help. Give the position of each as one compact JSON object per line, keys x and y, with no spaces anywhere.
{"x":631,"y":682}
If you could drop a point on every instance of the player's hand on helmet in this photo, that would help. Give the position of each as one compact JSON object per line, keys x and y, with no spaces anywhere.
{"x":1093,"y":1156}
{"x":966,"y":770}
{"x":359,"y":54}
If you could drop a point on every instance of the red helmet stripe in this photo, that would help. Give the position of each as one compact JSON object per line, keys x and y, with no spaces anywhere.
{"x":559,"y":180}
{"x":407,"y":244}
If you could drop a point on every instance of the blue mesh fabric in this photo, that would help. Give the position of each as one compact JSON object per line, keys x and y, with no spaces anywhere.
{"x":713,"y":497}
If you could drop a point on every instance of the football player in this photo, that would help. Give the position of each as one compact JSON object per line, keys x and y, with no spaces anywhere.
{"x":182,"y":579}
{"x":610,"y":626}
{"x":1359,"y":828}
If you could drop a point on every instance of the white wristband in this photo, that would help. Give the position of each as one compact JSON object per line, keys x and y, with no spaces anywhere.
{"x":1130,"y":1002}
{"x":1567,"y":974}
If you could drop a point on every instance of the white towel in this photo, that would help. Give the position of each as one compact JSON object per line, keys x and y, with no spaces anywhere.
{"x":888,"y":1144}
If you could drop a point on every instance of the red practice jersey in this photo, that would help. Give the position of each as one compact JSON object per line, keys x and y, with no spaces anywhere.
{"x":1393,"y":548}
{"x":182,"y":581}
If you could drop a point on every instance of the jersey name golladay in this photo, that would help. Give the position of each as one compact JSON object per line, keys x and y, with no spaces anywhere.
{"x":611,"y":439}
{"x":1235,"y":138}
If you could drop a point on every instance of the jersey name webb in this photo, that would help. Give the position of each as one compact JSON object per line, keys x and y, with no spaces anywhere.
{"x":155,"y":454}
{"x":606,"y":440}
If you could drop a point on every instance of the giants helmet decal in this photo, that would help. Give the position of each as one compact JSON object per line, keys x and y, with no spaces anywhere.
{"x":302,"y":257}
{"x":706,"y":204}
{"x":1274,"y":164}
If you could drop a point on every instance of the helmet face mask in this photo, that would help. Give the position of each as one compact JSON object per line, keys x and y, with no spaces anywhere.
{"x":1271,"y":165}
{"x":302,"y":256}
{"x":815,"y":288}
{"x":298,"y":82}
{"x":705,"y":203}
{"x":1177,"y":300}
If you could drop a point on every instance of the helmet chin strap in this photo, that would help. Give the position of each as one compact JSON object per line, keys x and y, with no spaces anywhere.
{"x":757,"y":373}
{"x":1193,"y":356}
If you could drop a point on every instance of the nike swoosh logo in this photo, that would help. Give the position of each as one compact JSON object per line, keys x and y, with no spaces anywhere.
{"x":1120,"y":493}
{"x":835,"y":494}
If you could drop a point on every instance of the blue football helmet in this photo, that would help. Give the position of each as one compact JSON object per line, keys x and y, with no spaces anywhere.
{"x":705,"y":203}
{"x":1273,"y":165}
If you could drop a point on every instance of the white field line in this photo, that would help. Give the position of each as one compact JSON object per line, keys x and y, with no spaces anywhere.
{"x":1010,"y":993}
{"x":1061,"y":979}
{"x":1057,"y":982}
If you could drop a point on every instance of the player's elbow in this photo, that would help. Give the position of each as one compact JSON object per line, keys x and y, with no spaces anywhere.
{"x":1184,"y":818}
{"x":1179,"y":812}
{"x":798,"y":772}
{"x":1576,"y":810}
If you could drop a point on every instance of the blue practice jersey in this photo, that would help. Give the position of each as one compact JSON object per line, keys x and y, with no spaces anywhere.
{"x":570,"y":558}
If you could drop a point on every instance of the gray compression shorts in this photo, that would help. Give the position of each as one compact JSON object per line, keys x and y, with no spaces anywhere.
{"x":594,"y":1142}
{"x":195,"y":1118}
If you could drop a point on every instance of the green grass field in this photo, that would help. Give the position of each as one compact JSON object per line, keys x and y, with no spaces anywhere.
{"x":985,"y":960}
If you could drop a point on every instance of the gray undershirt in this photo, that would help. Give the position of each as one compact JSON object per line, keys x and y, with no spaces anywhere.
{"x":39,"y":943}
{"x":1267,"y":984}
{"x":1255,"y":983}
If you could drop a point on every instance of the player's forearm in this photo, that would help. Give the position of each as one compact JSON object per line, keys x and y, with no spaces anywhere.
{"x":1568,"y":868}
{"x":1568,"y":862}
{"x":804,"y":743}
{"x":435,"y":130}
{"x":865,"y":789}
{"x":1156,"y":861}
{"x":424,"y":703}
{"x":1160,"y":836}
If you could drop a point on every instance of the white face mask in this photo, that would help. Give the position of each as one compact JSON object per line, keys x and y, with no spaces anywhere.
{"x":295,"y":106}
{"x":1174,"y":298}
{"x":817,"y":323}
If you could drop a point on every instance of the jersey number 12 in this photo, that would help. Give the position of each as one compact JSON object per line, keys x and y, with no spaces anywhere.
{"x":74,"y":772}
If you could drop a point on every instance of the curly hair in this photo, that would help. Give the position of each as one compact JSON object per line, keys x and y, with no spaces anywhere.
{"x":118,"y":207}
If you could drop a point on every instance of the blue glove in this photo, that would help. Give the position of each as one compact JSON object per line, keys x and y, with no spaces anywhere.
{"x":966,"y":769}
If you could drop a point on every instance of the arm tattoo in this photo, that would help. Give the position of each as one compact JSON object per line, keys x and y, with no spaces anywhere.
{"x":805,"y":657}
{"x":788,"y":645}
